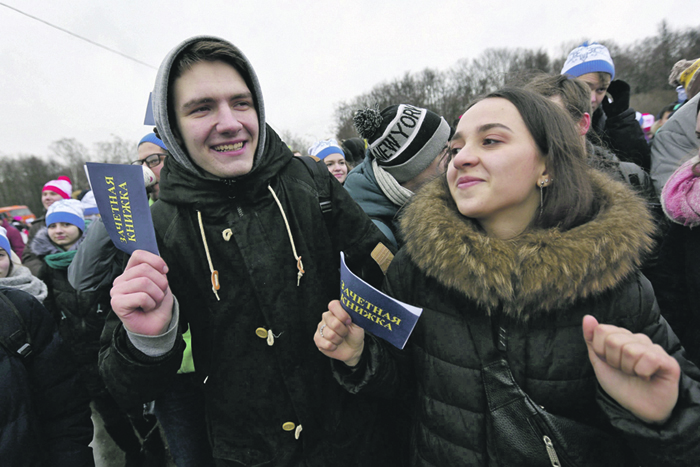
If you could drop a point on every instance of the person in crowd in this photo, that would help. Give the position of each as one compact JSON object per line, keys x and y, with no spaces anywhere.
{"x":678,"y":277}
{"x":333,"y":156}
{"x":614,"y":122}
{"x":663,"y":117}
{"x":677,"y":141}
{"x":180,"y":409}
{"x":522,"y":251}
{"x":44,"y":412}
{"x":685,"y":77}
{"x":14,"y":235}
{"x":405,"y":144}
{"x":13,"y":274}
{"x":152,"y":152}
{"x":249,"y":259}
{"x":81,"y":319}
{"x":354,"y":149}
{"x":52,"y":191}
{"x":573,"y":95}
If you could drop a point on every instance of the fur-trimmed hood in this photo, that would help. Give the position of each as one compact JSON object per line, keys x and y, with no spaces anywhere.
{"x":538,"y":271}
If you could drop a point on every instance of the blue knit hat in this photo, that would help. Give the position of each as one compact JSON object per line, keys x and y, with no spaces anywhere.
{"x":589,"y":58}
{"x":4,"y":242}
{"x":66,"y":210}
{"x":152,"y":138}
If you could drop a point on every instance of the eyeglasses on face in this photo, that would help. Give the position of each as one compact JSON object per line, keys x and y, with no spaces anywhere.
{"x":151,"y":161}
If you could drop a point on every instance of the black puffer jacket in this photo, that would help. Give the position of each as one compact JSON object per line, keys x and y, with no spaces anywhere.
{"x":44,"y":411}
{"x":254,"y":386}
{"x":538,"y":286}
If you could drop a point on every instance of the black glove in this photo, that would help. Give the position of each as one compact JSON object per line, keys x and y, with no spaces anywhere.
{"x":620,"y":93}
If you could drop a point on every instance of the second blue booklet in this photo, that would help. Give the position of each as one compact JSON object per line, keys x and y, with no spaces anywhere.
{"x":374,"y":311}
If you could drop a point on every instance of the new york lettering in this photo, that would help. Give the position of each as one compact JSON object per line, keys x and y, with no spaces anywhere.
{"x":399,"y":133}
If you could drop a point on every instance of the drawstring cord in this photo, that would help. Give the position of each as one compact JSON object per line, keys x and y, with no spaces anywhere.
{"x":300,"y":266}
{"x":214,"y":273}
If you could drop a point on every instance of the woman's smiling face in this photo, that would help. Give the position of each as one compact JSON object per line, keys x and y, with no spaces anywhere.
{"x":495,"y":168}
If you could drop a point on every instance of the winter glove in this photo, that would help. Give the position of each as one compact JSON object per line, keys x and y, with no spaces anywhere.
{"x":620,"y":93}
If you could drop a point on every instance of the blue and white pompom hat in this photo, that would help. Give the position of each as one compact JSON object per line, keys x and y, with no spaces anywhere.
{"x":4,"y":242}
{"x":589,"y":57}
{"x":66,"y":210}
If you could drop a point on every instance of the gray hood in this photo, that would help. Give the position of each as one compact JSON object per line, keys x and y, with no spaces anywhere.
{"x":160,"y":105}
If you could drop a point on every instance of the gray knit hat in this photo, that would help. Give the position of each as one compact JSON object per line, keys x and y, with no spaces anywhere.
{"x":403,"y":139}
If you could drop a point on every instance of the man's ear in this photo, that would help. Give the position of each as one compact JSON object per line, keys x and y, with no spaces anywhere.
{"x":584,"y":124}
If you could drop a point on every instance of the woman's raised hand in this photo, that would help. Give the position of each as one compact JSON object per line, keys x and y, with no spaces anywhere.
{"x":634,"y":371}
{"x":337,"y":337}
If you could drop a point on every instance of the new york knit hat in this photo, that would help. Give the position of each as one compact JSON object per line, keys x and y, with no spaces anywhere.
{"x":4,"y":242}
{"x":589,"y":57}
{"x":66,"y":210}
{"x":61,"y":186}
{"x":325,"y":148}
{"x":403,"y":139}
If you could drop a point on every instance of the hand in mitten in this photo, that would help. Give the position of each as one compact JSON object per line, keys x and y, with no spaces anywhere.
{"x":620,"y":93}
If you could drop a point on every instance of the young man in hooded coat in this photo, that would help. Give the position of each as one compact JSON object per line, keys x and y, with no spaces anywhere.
{"x":253,"y":261}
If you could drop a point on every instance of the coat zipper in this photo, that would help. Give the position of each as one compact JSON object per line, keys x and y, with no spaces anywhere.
{"x":551,"y":451}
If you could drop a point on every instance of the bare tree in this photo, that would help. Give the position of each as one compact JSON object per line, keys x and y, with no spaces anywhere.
{"x":74,"y":155}
{"x":117,"y":151}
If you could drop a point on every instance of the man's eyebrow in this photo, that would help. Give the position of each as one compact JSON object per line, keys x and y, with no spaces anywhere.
{"x":195,"y":102}
{"x":208,"y":100}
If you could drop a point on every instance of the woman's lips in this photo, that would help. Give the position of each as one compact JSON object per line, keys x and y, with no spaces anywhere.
{"x":466,"y":182}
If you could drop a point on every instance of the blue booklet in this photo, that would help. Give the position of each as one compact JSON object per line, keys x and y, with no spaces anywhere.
{"x":374,"y":311}
{"x":120,"y":194}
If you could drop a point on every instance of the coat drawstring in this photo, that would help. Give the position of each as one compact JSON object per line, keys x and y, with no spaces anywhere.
{"x":214,"y":273}
{"x":300,"y":265}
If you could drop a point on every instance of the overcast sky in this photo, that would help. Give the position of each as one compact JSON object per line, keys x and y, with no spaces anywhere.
{"x":309,"y":55}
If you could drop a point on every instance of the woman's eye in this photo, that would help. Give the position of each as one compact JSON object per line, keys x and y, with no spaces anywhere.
{"x":490,"y":141}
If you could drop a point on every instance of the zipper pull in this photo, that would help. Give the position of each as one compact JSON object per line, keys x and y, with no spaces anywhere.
{"x":550,"y":450}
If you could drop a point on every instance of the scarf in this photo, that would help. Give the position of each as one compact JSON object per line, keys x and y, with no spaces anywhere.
{"x":21,"y":278}
{"x":60,"y":260}
{"x":391,"y":188}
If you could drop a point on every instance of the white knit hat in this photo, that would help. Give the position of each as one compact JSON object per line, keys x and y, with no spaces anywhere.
{"x":89,"y":204}
{"x":66,"y":210}
{"x":62,"y":186}
{"x":589,"y":58}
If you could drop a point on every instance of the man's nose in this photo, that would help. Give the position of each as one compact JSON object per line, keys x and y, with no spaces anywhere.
{"x":228,"y":121}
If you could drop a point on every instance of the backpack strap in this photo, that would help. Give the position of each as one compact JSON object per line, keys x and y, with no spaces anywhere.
{"x":14,"y":335}
{"x":319,"y":172}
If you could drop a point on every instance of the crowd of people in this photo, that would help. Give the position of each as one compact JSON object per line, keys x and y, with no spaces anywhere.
{"x":547,"y":237}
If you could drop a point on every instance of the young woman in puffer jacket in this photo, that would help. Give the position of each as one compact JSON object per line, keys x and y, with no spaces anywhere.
{"x":521,"y":245}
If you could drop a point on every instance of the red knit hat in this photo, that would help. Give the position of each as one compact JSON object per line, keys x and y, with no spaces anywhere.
{"x":62,"y":186}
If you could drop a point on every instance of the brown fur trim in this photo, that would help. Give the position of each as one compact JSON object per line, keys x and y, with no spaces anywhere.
{"x":538,"y":271}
